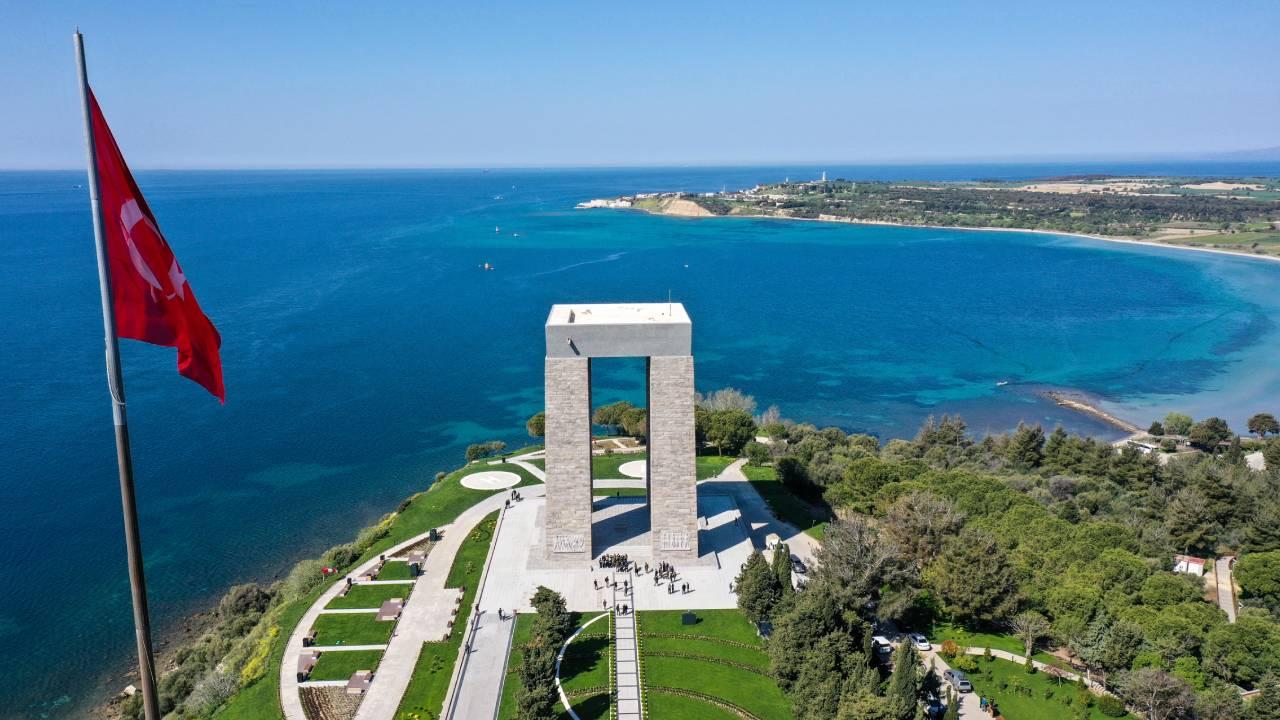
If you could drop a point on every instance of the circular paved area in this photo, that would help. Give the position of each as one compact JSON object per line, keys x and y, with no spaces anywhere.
{"x":635,"y":469}
{"x":491,"y":480}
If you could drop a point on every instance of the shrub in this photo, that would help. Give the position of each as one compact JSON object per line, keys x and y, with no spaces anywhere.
{"x":949,"y":649}
{"x":243,"y":600}
{"x":374,"y":533}
{"x":986,"y":654}
{"x":340,"y":556}
{"x":1029,"y":666}
{"x":757,"y":453}
{"x":256,"y":667}
{"x":304,"y":576}
{"x":965,"y":663}
{"x":1111,"y":706}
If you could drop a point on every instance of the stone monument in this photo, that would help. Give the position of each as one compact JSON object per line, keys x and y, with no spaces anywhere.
{"x":662,"y":334}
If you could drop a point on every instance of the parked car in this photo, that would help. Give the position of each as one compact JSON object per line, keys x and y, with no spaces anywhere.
{"x":920,"y":641}
{"x":772,"y":541}
{"x":882,"y":644}
{"x":957,"y":680}
{"x":798,"y":565}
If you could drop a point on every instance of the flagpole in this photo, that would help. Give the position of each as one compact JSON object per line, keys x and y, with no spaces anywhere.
{"x":115,"y":384}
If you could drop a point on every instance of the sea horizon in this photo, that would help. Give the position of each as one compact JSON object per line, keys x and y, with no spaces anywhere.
{"x":365,"y":348}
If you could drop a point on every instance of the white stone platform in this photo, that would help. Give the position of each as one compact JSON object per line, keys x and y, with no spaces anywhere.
{"x":491,"y":480}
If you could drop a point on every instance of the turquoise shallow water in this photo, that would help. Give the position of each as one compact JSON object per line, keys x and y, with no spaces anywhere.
{"x":364,"y":348}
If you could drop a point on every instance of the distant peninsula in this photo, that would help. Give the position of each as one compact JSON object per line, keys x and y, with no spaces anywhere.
{"x":1238,"y":215}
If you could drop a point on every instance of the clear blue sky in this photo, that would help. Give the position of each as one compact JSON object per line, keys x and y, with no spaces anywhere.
{"x":549,"y":83}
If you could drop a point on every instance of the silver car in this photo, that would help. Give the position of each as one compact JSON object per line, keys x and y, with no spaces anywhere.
{"x":957,"y":680}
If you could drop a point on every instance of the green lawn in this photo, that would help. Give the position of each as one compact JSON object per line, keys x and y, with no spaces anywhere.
{"x":715,"y":636}
{"x":586,"y":660}
{"x":483,"y":466}
{"x":396,"y":570}
{"x":1020,"y":696}
{"x":785,"y":505}
{"x":341,"y":665}
{"x":711,"y":465}
{"x":605,"y":467}
{"x":369,"y":596}
{"x":676,"y":707}
{"x":439,"y":505}
{"x":431,"y":675}
{"x":995,"y":641}
{"x":584,"y":667}
{"x":361,"y":629}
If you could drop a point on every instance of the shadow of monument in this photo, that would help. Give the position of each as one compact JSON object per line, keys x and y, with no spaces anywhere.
{"x":620,"y":521}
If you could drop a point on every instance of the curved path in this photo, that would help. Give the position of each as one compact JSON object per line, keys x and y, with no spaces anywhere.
{"x":425,"y":617}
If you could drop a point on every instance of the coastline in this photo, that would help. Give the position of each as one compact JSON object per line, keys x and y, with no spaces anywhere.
{"x":1122,"y":239}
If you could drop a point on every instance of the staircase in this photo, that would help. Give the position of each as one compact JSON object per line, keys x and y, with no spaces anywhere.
{"x":626,"y":658}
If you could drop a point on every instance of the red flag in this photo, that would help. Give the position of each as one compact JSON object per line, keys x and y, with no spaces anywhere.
{"x":150,"y":294}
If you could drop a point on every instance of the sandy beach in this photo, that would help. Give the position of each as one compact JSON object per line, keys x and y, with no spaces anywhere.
{"x":683,"y":211}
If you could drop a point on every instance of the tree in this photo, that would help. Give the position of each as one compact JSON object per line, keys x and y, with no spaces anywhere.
{"x":553,"y":619}
{"x":1029,"y":626}
{"x":867,"y":574}
{"x":919,"y":522}
{"x":1156,"y":429}
{"x":904,"y":683}
{"x":757,"y":453}
{"x":1271,"y":454}
{"x":796,"y":631}
{"x":1189,"y":519}
{"x":610,"y":416}
{"x":1177,"y":424}
{"x":730,"y":430}
{"x":758,"y":589}
{"x":635,"y":422}
{"x":1243,"y":652}
{"x":536,"y":695}
{"x":478,"y":451}
{"x":1259,"y":577}
{"x":782,"y":568}
{"x":537,"y":425}
{"x":1264,"y":423}
{"x":1120,"y":645}
{"x":1026,"y":447}
{"x":1157,"y":694}
{"x":953,"y":706}
{"x":727,"y":399}
{"x":973,"y":579}
{"x":1266,"y":706}
{"x":1209,"y":433}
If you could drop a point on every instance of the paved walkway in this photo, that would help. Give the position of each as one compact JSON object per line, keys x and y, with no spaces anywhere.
{"x":756,"y":513}
{"x":628,"y":666}
{"x":970,"y":703}
{"x":483,"y":665}
{"x":1226,"y":587}
{"x":427,"y":613}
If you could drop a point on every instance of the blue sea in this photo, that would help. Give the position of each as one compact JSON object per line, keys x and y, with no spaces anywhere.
{"x":364,"y":348}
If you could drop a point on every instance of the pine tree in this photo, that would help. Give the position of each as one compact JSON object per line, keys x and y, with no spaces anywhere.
{"x":758,"y":589}
{"x":536,"y":694}
{"x":782,"y":568}
{"x":904,"y":683}
{"x":953,"y":707}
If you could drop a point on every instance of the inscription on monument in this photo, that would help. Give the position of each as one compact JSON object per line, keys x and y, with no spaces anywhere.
{"x":568,"y":543}
{"x":675,"y":540}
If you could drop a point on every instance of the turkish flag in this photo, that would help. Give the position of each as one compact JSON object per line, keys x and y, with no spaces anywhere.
{"x":151,"y":297}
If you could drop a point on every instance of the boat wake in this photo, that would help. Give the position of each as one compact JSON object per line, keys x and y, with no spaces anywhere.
{"x":607,"y":258}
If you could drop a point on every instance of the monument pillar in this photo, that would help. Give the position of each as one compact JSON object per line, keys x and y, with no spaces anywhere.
{"x":568,"y":457}
{"x":673,"y":491}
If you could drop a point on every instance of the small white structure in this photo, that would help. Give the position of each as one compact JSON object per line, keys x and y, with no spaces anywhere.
{"x":1189,"y":565}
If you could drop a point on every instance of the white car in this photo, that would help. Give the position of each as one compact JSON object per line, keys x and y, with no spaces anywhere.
{"x":920,"y":641}
{"x":882,"y":644}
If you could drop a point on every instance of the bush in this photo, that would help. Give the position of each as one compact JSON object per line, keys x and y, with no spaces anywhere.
{"x":757,"y":453}
{"x":986,"y":654}
{"x":244,"y":600}
{"x":340,"y":556}
{"x":304,"y":576}
{"x":965,"y":663}
{"x":1111,"y":706}
{"x":949,"y":649}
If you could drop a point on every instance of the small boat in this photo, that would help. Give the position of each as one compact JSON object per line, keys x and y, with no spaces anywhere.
{"x":496,"y":229}
{"x":1002,"y":383}
{"x":497,"y":197}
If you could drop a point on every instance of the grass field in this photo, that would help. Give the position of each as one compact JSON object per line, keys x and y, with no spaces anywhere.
{"x":995,"y":641}
{"x":361,"y":629}
{"x":785,"y":505}
{"x":395,"y":570}
{"x":369,"y":596}
{"x":1019,"y":696}
{"x":341,"y":665}
{"x":584,"y":667}
{"x":438,"y":506}
{"x":430,"y":680}
{"x":720,"y":656}
{"x":710,"y":466}
{"x":605,"y":467}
